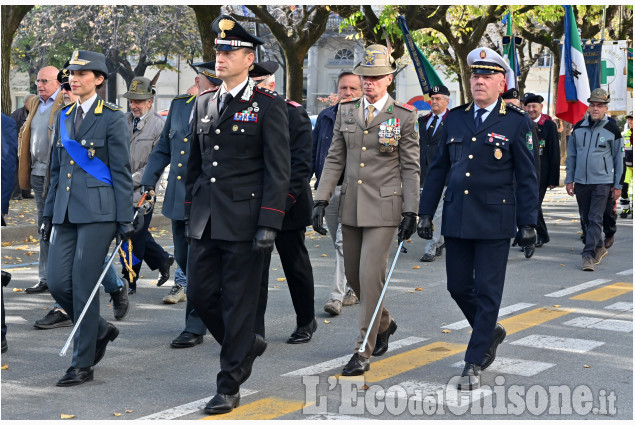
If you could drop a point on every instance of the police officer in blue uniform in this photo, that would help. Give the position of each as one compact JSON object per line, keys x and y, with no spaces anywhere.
{"x":173,"y":148}
{"x":235,"y":194}
{"x":486,"y":146}
{"x":89,"y":201}
{"x":299,"y":203}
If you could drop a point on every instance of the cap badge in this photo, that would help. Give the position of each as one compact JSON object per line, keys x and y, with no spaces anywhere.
{"x":65,"y":73}
{"x":133,"y":85}
{"x":369,"y":57}
{"x":483,"y":54}
{"x":225,"y":25}
{"x":75,"y":59}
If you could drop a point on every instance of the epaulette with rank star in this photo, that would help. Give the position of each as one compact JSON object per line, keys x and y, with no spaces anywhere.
{"x":406,"y":106}
{"x":182,"y":96}
{"x":465,"y":105}
{"x":265,"y":91}
{"x":516,"y":108}
{"x":111,"y":106}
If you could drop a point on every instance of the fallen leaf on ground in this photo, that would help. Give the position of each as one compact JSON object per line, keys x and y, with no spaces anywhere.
{"x":116,"y":413}
{"x":327,"y":321}
{"x":587,"y":366}
{"x":274,"y":270}
{"x":128,"y":410}
{"x":65,"y":416}
{"x":6,"y":244}
{"x":5,"y":366}
{"x":419,"y":289}
{"x":410,"y":290}
{"x":556,"y":305}
{"x":446,"y":331}
{"x":17,"y":289}
{"x":323,"y":255}
{"x":416,"y":267}
{"x":316,"y":246}
{"x":364,"y":387}
{"x":562,"y":265}
{"x":281,"y":279}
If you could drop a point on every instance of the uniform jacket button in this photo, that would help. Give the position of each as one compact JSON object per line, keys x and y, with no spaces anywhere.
{"x":214,"y":163}
{"x":72,"y":162}
{"x":185,"y":140}
{"x":178,"y":177}
{"x":359,"y":182}
{"x":68,"y":188}
{"x":362,"y":165}
{"x":471,"y":156}
{"x":466,"y":191}
{"x":182,"y":152}
{"x":180,"y":165}
{"x":217,"y":131}
{"x":474,"y":139}
{"x":467,"y":174}
{"x":363,"y":148}
{"x":365,"y":131}
{"x":213,"y":180}
{"x":216,"y":147}
{"x":68,"y":175}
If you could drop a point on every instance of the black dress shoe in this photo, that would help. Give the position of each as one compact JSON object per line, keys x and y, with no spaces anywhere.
{"x":5,"y":346}
{"x":111,"y":333}
{"x":120,"y":304}
{"x":186,"y":340}
{"x":165,"y":270}
{"x":381,"y":346}
{"x":539,"y":243}
{"x":222,"y":403}
{"x":53,"y":319}
{"x":529,"y":251}
{"x":357,"y":365}
{"x":428,"y":258}
{"x":27,"y":194}
{"x":40,"y":287}
{"x":257,"y":349}
{"x":132,"y":291}
{"x":470,"y":378}
{"x":303,"y":334}
{"x":76,"y":376}
{"x":497,"y":337}
{"x":439,"y":251}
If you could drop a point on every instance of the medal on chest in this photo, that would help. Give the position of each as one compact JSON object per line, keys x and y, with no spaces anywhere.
{"x":498,"y":154}
{"x":246,"y":116}
{"x":389,"y":135}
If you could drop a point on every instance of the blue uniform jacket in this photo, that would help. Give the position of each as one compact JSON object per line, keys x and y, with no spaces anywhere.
{"x":9,"y":156}
{"x":75,"y":193}
{"x":322,"y":136}
{"x":481,"y":199}
{"x":173,"y":148}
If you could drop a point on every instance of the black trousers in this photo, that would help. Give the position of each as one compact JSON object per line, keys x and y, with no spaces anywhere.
{"x":223,"y":284}
{"x":592,"y":204}
{"x":145,"y":248}
{"x":541,"y":227}
{"x":193,"y":322}
{"x":476,"y":275}
{"x":299,"y":273}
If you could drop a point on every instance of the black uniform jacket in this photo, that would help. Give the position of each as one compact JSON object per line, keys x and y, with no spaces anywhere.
{"x":238,"y":169}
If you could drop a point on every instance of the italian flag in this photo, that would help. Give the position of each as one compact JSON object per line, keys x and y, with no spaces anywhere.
{"x":573,"y":84}
{"x":509,"y":53}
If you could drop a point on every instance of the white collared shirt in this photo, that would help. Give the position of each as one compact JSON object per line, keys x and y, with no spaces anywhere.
{"x":45,"y":104}
{"x":87,"y":105}
{"x":379,"y":105}
{"x":537,"y":119}
{"x":485,"y":114}
{"x":235,"y":90}
{"x":439,"y":119}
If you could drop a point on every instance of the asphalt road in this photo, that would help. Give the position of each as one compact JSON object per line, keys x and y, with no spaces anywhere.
{"x":568,"y":353}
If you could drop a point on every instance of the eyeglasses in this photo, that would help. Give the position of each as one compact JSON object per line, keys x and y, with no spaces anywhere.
{"x":597,"y":105}
{"x":43,"y":81}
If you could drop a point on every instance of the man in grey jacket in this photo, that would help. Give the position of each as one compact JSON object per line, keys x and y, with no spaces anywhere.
{"x":594,"y":167}
{"x":145,"y":130}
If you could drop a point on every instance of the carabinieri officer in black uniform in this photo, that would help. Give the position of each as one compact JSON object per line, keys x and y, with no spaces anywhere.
{"x":88,"y":202}
{"x":235,"y":193}
{"x":486,"y":145}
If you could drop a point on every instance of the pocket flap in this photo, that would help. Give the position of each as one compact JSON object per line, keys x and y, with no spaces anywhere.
{"x":171,"y":133}
{"x":389,"y":191}
{"x":93,"y":182}
{"x":497,"y":198}
{"x":447,"y":197}
{"x":453,"y":139}
{"x":203,"y":127}
{"x":244,"y":193}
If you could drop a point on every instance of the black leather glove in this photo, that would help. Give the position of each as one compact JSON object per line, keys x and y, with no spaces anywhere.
{"x":6,"y":278}
{"x":264,"y":239}
{"x":407,"y":226}
{"x":425,"y":228}
{"x":45,"y":228}
{"x":318,"y":216}
{"x":188,"y":237}
{"x":148,"y":204}
{"x":525,"y":236}
{"x":137,"y":223}
{"x":125,"y":231}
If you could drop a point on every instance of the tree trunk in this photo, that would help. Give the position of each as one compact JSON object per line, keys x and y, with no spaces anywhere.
{"x":11,"y":18}
{"x":295,"y":75}
{"x":205,"y":15}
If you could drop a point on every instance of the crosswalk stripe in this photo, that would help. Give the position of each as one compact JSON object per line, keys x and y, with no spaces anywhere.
{"x":442,"y":394}
{"x":532,"y":318}
{"x":266,"y":408}
{"x":336,"y":417}
{"x":509,"y":366}
{"x":549,"y":342}
{"x":409,"y":360}
{"x":626,"y":272}
{"x":599,"y":323}
{"x":186,"y":409}
{"x":341,"y":361}
{"x":605,"y":293}
{"x":577,"y":288}
{"x":620,"y":306}
{"x":502,"y":312}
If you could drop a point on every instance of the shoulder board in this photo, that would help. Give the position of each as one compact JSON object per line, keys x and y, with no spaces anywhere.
{"x":292,"y":103}
{"x":465,"y":106}
{"x":264,"y":91}
{"x":354,"y":99}
{"x":182,"y":96}
{"x":406,"y":106}
{"x":511,"y":106}
{"x":210,"y":90}
{"x":112,"y":106}
{"x":70,"y":107}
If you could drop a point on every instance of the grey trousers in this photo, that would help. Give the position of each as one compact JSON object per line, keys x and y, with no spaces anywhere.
{"x":37,"y":182}
{"x":366,"y":252}
{"x":75,"y":262}
{"x":331,"y":214}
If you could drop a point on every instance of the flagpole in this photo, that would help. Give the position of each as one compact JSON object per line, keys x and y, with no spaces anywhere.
{"x":550,"y":80}
{"x":603,"y":22}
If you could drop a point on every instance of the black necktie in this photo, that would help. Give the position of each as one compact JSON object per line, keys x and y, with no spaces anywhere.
{"x":135,"y":122}
{"x":432,"y":127}
{"x":225,"y":98}
{"x":479,"y":117}
{"x":79,"y":117}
